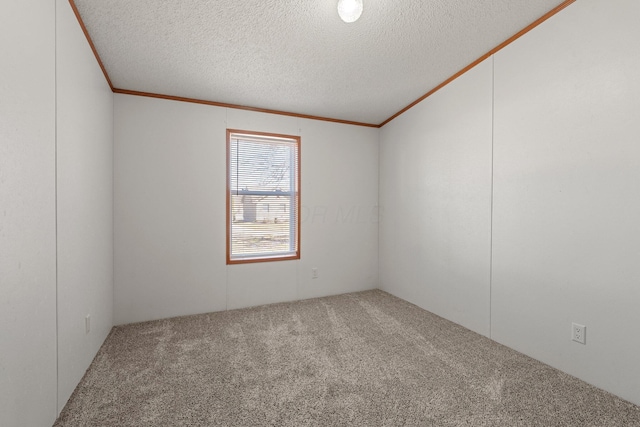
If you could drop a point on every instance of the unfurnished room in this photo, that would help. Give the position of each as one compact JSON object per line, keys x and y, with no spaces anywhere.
{"x":319,"y":213}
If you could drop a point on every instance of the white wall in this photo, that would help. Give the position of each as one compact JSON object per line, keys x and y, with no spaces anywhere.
{"x":566,"y":185}
{"x":27,"y":214}
{"x":85,"y":202}
{"x":566,"y":240}
{"x":56,"y":208}
{"x":170,"y":175}
{"x":435,"y":195}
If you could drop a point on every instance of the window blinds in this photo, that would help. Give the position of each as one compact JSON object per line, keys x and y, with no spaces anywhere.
{"x":263,"y":199}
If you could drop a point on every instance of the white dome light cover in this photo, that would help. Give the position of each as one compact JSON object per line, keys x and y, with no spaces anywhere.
{"x":349,"y":10}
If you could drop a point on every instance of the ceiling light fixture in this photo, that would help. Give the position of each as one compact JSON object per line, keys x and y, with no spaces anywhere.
{"x":349,"y":10}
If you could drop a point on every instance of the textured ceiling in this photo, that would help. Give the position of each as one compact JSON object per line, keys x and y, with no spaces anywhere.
{"x":297,"y":55}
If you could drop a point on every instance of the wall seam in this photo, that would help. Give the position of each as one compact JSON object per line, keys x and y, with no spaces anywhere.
{"x":297,"y":178}
{"x":113,"y":210}
{"x":491,"y":198}
{"x":226,"y":267}
{"x":379,"y":208}
{"x":55,"y":144}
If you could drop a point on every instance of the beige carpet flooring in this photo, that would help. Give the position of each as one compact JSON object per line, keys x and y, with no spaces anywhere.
{"x":363,"y":359}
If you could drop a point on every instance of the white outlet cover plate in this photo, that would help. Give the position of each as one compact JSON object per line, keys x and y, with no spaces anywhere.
{"x":578,"y":333}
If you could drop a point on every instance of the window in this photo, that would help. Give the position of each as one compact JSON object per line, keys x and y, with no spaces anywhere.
{"x":263,"y":173}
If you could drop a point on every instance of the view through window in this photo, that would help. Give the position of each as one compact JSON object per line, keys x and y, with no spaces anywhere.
{"x":263,"y":197}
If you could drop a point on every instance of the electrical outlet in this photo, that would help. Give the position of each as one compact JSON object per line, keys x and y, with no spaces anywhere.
{"x":87,"y":324}
{"x":579,"y":333}
{"x":314,"y":273}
